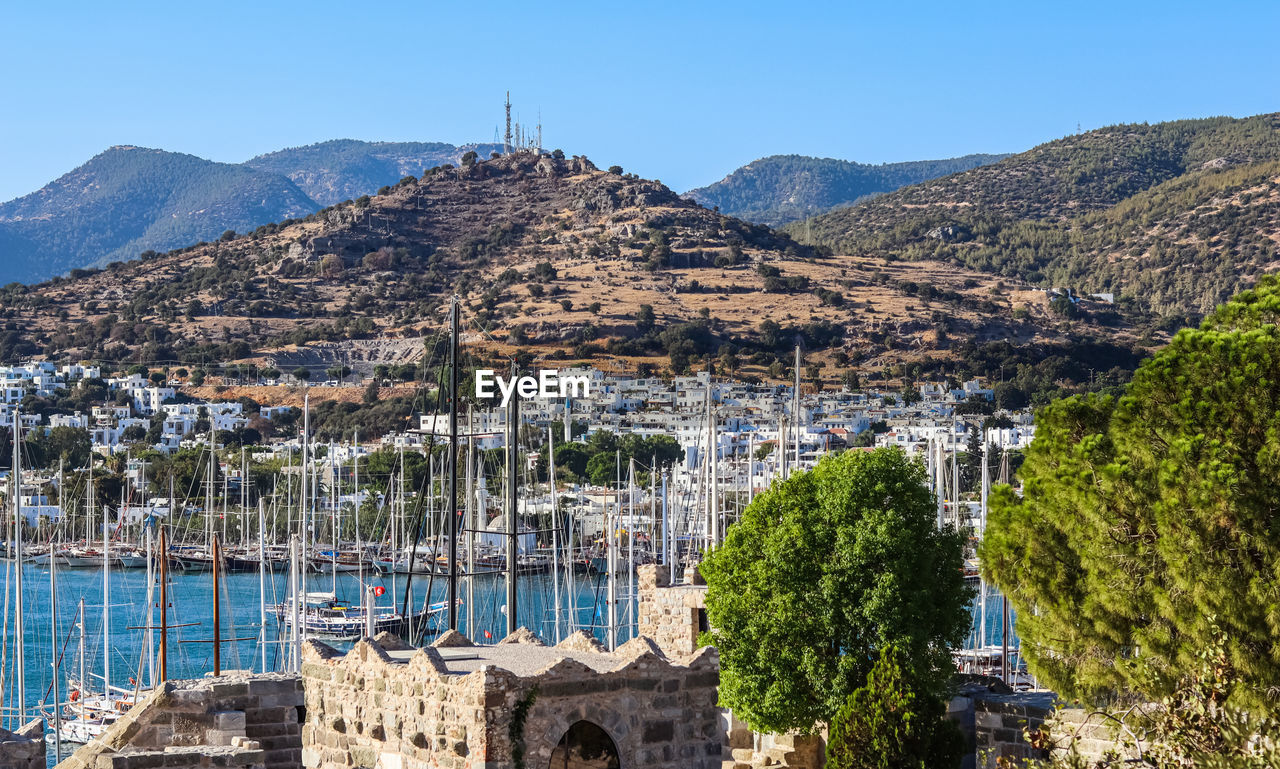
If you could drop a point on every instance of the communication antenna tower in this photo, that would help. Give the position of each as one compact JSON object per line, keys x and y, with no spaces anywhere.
{"x":538,"y":147}
{"x":506,"y":138}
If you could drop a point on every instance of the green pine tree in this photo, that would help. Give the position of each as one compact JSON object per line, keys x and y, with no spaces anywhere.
{"x":891,"y":724}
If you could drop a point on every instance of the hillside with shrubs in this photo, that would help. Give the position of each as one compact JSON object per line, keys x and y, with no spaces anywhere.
{"x":1172,"y":218}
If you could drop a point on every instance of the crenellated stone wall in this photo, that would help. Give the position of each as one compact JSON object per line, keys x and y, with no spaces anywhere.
{"x":458,"y":706}
{"x":236,"y":720}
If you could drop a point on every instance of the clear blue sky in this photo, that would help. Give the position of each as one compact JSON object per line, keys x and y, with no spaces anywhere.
{"x":684,"y":92}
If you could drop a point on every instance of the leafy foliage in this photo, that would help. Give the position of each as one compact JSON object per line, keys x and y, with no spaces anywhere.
{"x":890,"y":724}
{"x":1194,"y":726}
{"x":1144,"y":517}
{"x":823,"y":571}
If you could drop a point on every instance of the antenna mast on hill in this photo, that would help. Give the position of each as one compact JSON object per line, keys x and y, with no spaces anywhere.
{"x":538,"y":147}
{"x":506,"y":138}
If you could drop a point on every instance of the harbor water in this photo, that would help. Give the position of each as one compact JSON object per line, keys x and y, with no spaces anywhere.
{"x":190,"y":617}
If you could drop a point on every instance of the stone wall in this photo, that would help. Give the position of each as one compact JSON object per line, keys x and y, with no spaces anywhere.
{"x":238,"y":720}
{"x":1091,"y":734}
{"x":999,"y":723}
{"x":23,"y":749}
{"x":671,"y":615}
{"x":458,"y":706}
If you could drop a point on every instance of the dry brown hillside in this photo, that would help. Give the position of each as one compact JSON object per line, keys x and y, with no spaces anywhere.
{"x":551,"y":257}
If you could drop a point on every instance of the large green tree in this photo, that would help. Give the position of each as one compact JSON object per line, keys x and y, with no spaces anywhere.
{"x":823,"y":571}
{"x":1145,"y":517}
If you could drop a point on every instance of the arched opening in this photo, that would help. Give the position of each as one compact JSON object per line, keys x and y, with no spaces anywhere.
{"x":585,"y":746}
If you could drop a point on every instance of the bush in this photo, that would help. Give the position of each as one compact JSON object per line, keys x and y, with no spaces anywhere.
{"x":891,"y":724}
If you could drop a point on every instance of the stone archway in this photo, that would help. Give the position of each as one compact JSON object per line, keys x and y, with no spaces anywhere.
{"x":585,"y":746}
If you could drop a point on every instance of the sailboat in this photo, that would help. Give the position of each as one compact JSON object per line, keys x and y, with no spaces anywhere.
{"x":89,"y":714}
{"x":93,"y":710}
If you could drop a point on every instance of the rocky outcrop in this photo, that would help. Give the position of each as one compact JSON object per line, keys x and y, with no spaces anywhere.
{"x":23,"y":749}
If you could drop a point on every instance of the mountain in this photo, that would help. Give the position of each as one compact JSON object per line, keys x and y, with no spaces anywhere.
{"x":343,"y":169}
{"x":1172,"y":218}
{"x":131,"y":199}
{"x":782,"y":188}
{"x":556,"y":260}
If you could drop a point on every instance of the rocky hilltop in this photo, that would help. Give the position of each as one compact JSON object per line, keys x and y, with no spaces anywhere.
{"x":553,"y":259}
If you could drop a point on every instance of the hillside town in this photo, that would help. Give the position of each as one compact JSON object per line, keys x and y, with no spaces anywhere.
{"x":138,"y":415}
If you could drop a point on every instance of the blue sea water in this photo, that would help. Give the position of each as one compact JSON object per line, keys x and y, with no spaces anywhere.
{"x":191,"y":602}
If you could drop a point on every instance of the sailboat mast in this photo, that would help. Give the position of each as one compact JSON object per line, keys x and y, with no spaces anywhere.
{"x":513,"y":529}
{"x":631,"y":536}
{"x":298,"y":551}
{"x":611,"y":553}
{"x":782,"y":446}
{"x":106,"y":604}
{"x":208,"y":496}
{"x":217,"y":605}
{"x":53,"y":643}
{"x":795,"y":406}
{"x":667,"y":538}
{"x":555,"y":533}
{"x":164,"y":606}
{"x":20,"y":633}
{"x":982,"y":530}
{"x":451,"y":506}
{"x":262,"y":578}
{"x":295,"y":616}
{"x":396,"y":539}
{"x":80,"y":694}
{"x":88,"y":524}
{"x":355,"y":521}
{"x":713,"y":475}
{"x":472,"y":519}
{"x":151,"y":658}
{"x":244,"y":499}
{"x":334,"y":471}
